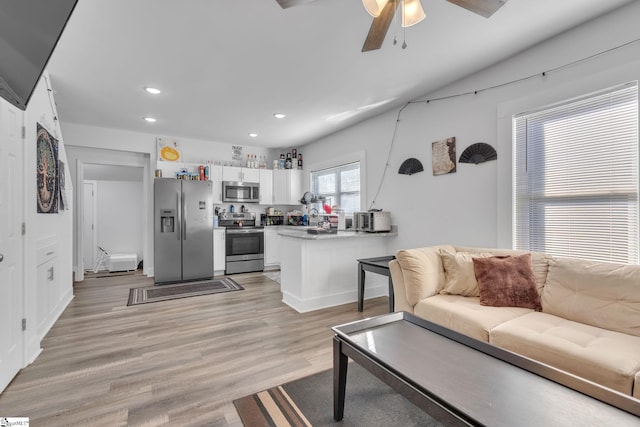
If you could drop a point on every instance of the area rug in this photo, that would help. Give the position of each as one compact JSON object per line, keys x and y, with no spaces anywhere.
{"x":309,"y":402}
{"x":181,"y":290}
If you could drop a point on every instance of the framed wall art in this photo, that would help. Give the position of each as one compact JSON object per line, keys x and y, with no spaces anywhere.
{"x":46,"y":171}
{"x":443,"y":156}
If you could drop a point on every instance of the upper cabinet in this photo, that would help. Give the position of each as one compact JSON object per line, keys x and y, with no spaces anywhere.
{"x":266,"y":186}
{"x":234,"y":173}
{"x":215,"y":175}
{"x":287,"y":186}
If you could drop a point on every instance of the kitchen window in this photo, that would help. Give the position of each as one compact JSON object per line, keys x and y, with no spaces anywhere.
{"x":340,"y":185}
{"x":576,"y":177}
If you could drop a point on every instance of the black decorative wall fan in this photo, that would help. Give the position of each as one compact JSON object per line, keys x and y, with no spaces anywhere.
{"x":479,"y":152}
{"x":410,"y":166}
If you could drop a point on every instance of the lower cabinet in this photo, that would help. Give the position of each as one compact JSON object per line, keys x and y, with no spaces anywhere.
{"x":272,"y":247}
{"x":219,"y":251}
{"x":48,"y":294}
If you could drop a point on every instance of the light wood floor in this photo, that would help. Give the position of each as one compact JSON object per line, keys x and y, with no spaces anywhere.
{"x":178,"y":363}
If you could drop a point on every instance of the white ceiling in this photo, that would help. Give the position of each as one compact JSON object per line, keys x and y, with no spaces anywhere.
{"x":225,"y":66}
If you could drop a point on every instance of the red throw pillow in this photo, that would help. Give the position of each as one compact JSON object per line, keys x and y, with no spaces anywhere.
{"x":507,"y":281}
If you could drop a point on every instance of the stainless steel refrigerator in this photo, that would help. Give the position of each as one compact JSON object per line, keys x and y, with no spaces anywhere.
{"x":183,"y":230}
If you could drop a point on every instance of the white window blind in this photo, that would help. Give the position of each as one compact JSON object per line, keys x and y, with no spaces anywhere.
{"x":576,"y":177}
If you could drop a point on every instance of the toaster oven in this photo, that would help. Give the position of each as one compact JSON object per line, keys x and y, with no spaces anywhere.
{"x":372,"y":221}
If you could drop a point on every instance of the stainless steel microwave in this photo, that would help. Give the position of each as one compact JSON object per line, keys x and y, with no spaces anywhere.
{"x":245,"y":192}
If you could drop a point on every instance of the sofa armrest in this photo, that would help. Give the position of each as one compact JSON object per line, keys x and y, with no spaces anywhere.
{"x":422,"y":272}
{"x":400,"y":302}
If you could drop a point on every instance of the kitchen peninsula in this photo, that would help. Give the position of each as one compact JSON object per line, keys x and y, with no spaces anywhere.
{"x":321,"y":270}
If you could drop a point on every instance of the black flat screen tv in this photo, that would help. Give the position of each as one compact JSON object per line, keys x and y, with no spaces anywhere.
{"x":29,"y":32}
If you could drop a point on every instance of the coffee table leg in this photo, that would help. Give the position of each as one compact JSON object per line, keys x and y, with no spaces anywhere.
{"x":339,"y":379}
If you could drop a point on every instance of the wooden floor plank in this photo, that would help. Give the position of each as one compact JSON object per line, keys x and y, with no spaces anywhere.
{"x":179,"y":362}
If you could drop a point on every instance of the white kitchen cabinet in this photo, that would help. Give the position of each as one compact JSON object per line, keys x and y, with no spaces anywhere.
{"x":266,"y":186}
{"x":234,"y":173}
{"x":215,"y":176}
{"x":272,"y":247}
{"x":48,"y":293}
{"x":219,"y":250}
{"x":287,"y":186}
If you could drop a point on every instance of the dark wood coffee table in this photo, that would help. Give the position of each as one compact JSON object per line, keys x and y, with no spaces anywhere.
{"x":461,"y":381}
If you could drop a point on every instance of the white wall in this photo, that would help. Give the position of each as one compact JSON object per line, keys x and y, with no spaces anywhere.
{"x":119,"y":216}
{"x":473,"y":205}
{"x":57,"y":227}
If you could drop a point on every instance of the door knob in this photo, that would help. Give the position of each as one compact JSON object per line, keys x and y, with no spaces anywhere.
{"x":1,"y":257}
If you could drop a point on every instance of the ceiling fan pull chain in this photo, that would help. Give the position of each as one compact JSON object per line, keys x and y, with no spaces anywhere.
{"x":398,"y":21}
{"x":404,"y":36}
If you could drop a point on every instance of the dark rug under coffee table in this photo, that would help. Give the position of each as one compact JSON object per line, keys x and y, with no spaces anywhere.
{"x":309,"y":401}
{"x":181,"y":290}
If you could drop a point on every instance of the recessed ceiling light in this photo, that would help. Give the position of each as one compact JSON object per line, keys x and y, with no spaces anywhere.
{"x":152,"y":90}
{"x":253,"y":135}
{"x":279,"y":115}
{"x":150,"y":119}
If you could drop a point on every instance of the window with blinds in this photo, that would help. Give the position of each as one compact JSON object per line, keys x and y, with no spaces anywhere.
{"x":576,"y":177}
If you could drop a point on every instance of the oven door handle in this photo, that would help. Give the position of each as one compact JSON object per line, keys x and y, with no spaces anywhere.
{"x":244,"y":230}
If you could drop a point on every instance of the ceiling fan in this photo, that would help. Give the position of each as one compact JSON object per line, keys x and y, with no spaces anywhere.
{"x":383,"y":12}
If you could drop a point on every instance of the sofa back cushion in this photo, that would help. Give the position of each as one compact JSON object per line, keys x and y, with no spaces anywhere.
{"x":422,"y":271}
{"x":600,"y":294}
{"x":460,"y":278}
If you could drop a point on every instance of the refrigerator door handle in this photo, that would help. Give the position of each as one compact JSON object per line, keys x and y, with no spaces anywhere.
{"x":179,"y":210}
{"x":184,"y":216}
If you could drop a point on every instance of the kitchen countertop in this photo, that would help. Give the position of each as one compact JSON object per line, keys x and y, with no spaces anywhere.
{"x":301,"y":233}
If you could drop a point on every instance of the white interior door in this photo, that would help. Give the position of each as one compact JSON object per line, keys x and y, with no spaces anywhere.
{"x":89,"y":225}
{"x":11,"y":243}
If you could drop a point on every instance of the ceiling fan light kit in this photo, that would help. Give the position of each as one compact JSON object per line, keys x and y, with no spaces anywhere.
{"x":412,"y":12}
{"x":374,"y":7}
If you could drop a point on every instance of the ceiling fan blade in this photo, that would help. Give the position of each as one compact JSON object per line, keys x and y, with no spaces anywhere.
{"x":291,"y":3}
{"x":484,"y":8}
{"x":380,"y":26}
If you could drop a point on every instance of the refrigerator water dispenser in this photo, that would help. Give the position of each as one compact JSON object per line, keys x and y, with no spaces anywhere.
{"x":167,"y":221}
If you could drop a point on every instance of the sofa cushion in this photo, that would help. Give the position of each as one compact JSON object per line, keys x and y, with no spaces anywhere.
{"x":465,"y":314}
{"x":539,"y":260}
{"x":600,"y":294}
{"x":422,"y":271}
{"x":507,"y":281}
{"x":605,"y":357}
{"x":460,"y":278}
{"x":636,"y":386}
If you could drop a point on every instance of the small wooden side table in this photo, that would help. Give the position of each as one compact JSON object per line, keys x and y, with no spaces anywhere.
{"x":379,"y":265}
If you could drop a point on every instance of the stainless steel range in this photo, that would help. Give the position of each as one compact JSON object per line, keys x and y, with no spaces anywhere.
{"x":244,"y":242}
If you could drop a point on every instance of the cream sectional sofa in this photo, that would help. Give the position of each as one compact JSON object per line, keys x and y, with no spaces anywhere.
{"x":589,"y":324}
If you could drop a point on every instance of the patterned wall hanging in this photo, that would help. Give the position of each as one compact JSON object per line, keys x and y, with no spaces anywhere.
{"x":479,"y":152}
{"x":46,"y":171}
{"x":443,"y":156}
{"x":410,"y":166}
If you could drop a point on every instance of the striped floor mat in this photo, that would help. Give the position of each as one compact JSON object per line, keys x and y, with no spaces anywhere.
{"x":181,"y":290}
